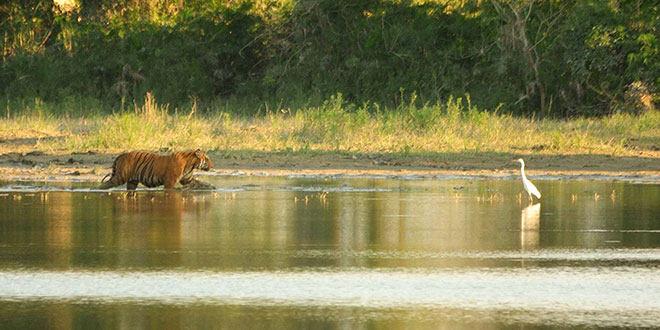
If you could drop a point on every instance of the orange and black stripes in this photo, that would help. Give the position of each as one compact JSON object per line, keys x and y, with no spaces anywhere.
{"x":153,"y":170}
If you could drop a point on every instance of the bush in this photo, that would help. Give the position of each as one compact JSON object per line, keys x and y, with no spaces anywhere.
{"x":543,"y":58}
{"x":203,"y":52}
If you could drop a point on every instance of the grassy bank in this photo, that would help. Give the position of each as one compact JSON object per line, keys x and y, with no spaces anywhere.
{"x":455,"y":126}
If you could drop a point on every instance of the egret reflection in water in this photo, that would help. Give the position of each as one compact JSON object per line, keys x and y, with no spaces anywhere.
{"x":530,"y":221}
{"x":302,"y":252}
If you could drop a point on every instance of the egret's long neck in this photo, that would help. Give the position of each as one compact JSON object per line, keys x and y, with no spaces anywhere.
{"x":522,"y":170}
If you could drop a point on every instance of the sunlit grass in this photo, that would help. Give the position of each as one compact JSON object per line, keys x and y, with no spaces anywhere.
{"x":149,"y":126}
{"x":338,"y":126}
{"x":26,"y":126}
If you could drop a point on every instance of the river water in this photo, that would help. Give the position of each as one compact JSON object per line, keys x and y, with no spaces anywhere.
{"x":331,"y":253}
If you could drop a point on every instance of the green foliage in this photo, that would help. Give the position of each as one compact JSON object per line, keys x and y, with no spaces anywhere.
{"x":457,"y":126}
{"x":148,"y":127}
{"x":608,"y":51}
{"x":204,"y":53}
{"x":371,"y":50}
{"x":330,"y":122}
{"x":537,"y":58}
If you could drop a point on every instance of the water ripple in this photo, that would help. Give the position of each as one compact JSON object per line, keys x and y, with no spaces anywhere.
{"x":564,"y":288}
{"x":541,"y":254}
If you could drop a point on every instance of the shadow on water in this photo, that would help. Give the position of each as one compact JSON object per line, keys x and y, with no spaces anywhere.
{"x":325,"y":253}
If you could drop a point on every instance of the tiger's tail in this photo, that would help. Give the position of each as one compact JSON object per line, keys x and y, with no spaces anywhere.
{"x":113,"y":178}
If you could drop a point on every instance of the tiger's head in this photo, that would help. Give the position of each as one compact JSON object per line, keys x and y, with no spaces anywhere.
{"x":204,"y":161}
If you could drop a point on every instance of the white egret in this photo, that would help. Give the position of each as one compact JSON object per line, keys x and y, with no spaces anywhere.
{"x":528,"y":185}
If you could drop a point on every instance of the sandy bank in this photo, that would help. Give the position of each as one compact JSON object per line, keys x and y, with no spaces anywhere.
{"x":91,"y":166}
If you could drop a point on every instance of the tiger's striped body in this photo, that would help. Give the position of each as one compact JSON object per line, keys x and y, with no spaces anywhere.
{"x":153,"y":170}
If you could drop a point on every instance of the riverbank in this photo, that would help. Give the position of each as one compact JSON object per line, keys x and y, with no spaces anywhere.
{"x":92,"y":166}
{"x":336,"y":139}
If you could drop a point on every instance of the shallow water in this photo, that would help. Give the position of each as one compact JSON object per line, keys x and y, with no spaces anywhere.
{"x":303,"y":253}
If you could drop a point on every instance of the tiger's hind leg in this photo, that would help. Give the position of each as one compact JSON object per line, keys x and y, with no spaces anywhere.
{"x":131,"y":185}
{"x":107,"y":185}
{"x":113,"y":182}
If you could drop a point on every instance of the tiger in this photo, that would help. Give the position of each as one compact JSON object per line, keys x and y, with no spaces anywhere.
{"x":153,"y":170}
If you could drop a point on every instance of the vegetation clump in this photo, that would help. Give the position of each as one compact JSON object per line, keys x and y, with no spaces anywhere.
{"x":536,"y":58}
{"x":432,"y":130}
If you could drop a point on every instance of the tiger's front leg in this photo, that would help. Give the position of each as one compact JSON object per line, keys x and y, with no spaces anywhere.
{"x":169,"y":183}
{"x":198,"y":185}
{"x":186,"y":178}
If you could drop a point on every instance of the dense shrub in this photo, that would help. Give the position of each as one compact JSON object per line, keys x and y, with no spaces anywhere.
{"x":203,"y":52}
{"x":549,"y":58}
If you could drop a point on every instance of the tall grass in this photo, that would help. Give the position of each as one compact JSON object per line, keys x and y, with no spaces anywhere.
{"x":149,"y":126}
{"x":339,"y":126}
{"x":33,"y":120}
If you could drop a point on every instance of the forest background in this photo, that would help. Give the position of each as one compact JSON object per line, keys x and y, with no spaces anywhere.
{"x":422,"y":76}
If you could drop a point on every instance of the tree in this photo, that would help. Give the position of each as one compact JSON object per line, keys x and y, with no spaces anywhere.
{"x":519,"y":42}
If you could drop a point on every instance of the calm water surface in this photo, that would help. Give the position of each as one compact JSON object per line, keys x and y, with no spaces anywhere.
{"x":331,"y":253}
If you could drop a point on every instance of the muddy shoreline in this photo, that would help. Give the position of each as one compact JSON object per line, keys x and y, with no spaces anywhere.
{"x":92,"y":166}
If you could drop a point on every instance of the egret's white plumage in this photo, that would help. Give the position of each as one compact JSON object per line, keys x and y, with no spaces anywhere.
{"x":528,"y":185}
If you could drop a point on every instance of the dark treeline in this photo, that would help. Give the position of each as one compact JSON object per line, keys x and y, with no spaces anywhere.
{"x":547,"y":57}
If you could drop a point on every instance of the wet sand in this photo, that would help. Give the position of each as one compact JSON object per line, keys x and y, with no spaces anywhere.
{"x":39,"y":165}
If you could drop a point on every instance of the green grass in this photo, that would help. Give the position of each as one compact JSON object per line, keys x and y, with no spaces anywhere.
{"x":338,"y":126}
